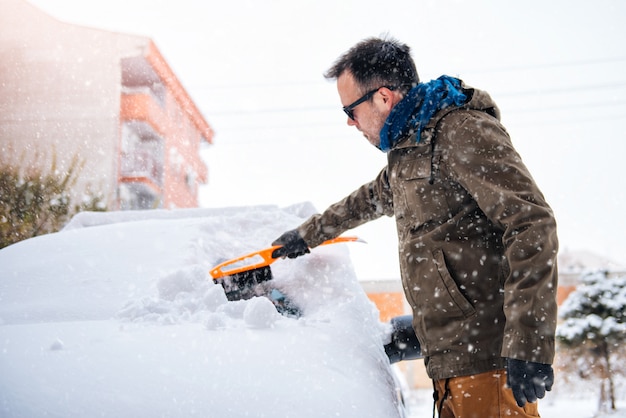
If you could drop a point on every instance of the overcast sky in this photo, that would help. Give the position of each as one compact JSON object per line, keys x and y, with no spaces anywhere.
{"x":557,"y":69}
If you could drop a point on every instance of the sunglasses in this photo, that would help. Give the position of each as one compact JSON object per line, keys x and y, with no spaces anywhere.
{"x":350,"y":108}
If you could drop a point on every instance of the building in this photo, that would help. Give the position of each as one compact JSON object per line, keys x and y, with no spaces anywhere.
{"x":107,"y":102}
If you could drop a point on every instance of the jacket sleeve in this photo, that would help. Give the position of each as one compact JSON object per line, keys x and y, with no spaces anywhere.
{"x":482,"y":159}
{"x":370,"y":201}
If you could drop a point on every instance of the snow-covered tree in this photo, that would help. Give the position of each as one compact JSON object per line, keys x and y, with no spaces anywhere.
{"x":34,"y":203}
{"x":594,"y":329}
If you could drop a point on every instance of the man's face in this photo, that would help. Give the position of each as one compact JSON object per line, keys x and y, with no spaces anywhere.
{"x":369,"y":116}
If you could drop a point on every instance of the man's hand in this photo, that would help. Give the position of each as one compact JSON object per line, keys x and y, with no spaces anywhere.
{"x":528,"y":380}
{"x":292,"y":245}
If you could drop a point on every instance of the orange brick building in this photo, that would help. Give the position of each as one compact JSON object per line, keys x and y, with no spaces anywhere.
{"x":107,"y":100}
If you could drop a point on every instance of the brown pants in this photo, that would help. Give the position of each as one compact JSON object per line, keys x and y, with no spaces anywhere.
{"x":483,"y":395}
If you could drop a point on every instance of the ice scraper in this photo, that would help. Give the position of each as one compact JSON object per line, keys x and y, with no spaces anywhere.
{"x":240,"y":277}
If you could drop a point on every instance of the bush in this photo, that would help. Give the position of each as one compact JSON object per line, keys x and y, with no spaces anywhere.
{"x":33,"y":203}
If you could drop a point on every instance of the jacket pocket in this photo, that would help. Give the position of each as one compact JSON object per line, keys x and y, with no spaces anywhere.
{"x":409,"y":181}
{"x":459,"y":306}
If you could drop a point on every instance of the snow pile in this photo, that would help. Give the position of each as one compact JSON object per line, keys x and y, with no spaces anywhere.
{"x":117,"y":316}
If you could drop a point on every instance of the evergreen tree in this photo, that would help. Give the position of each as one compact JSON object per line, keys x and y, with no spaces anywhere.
{"x":594,"y":330}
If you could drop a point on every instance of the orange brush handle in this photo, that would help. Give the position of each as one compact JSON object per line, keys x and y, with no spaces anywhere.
{"x":259,"y":259}
{"x":240,"y":264}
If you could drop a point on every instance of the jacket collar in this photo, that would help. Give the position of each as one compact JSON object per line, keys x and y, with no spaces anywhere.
{"x":418,"y":107}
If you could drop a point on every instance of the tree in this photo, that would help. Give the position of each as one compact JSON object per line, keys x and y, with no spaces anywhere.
{"x":33,"y":203}
{"x":594,"y":330}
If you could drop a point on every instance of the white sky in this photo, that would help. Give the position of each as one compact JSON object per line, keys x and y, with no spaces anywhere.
{"x":254,"y":68}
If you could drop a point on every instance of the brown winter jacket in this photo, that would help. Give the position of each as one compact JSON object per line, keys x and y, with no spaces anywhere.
{"x":477,"y":241}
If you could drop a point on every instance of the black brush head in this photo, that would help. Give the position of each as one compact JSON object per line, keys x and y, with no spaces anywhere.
{"x":248,"y":284}
{"x":244,"y":285}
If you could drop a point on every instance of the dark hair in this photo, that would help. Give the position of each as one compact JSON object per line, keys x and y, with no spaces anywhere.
{"x":377,"y":62}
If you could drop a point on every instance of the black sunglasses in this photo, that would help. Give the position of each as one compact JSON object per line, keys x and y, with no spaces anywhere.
{"x":349,"y":109}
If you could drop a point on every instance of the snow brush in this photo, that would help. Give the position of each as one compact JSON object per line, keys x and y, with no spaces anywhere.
{"x":241,"y":276}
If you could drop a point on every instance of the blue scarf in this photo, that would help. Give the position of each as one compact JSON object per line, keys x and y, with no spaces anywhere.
{"x":418,"y":107}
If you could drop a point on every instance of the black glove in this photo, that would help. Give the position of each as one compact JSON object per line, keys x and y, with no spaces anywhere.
{"x":528,"y":380}
{"x":292,"y":245}
{"x":404,"y":344}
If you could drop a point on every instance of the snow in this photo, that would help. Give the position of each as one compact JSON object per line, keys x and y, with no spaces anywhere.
{"x":117,"y":316}
{"x":558,"y":403}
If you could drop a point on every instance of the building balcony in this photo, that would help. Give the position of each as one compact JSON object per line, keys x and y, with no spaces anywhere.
{"x":142,"y":167}
{"x":142,"y":105}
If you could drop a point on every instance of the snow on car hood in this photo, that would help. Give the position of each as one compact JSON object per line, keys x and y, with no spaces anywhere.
{"x":117,"y":315}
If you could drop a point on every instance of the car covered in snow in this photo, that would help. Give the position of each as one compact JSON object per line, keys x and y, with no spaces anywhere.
{"x":117,"y":315}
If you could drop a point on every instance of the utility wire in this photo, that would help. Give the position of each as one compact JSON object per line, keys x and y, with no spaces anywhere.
{"x":568,"y":106}
{"x":538,"y":92}
{"x":577,"y":63}
{"x":275,"y":84}
{"x":565,"y":89}
{"x":306,"y":126}
{"x":516,"y":94}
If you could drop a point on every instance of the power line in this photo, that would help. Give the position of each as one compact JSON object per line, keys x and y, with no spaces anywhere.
{"x":551,"y":121}
{"x":568,"y":121}
{"x":542,"y":92}
{"x":568,"y":106}
{"x":576,"y":63}
{"x":516,"y":94}
{"x":275,"y":84}
{"x":565,"y":89}
{"x":234,"y":112}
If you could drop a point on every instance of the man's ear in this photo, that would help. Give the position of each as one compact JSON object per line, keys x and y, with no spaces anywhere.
{"x":388,"y":97}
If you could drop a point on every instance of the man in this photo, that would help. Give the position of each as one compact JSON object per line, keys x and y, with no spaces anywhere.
{"x":477,"y":240}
